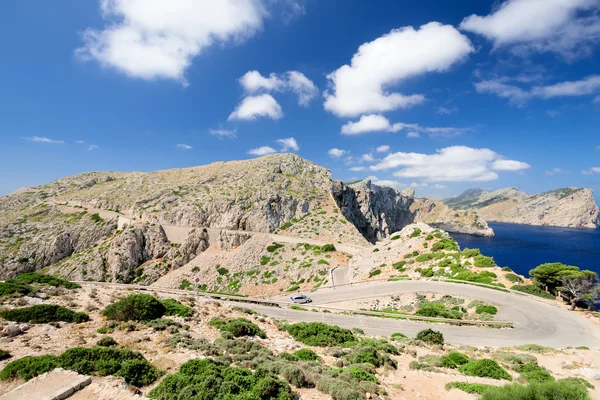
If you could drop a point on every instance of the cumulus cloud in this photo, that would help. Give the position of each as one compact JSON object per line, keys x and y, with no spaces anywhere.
{"x":450,"y":164}
{"x":152,"y":39}
{"x":363,"y":86}
{"x":336,"y":153}
{"x":367,"y":158}
{"x":221,"y":133}
{"x":370,"y":123}
{"x":80,"y":141}
{"x":591,"y":171}
{"x":413,"y":135}
{"x":262,"y":151}
{"x":183,"y":146}
{"x":383,"y":149}
{"x":251,"y":107}
{"x":357,"y":169}
{"x":446,"y":111}
{"x":294,"y":81}
{"x":418,"y":185}
{"x":555,"y":171}
{"x":288,"y":144}
{"x":42,"y":139}
{"x":568,"y":27}
{"x":94,"y":147}
{"x":519,"y":96}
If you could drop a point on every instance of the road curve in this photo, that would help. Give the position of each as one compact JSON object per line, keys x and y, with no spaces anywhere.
{"x":535,"y":321}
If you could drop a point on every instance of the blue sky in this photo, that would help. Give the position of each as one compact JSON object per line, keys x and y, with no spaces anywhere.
{"x":442,"y":96}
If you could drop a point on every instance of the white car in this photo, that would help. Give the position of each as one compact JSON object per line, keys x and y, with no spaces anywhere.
{"x":300,"y":299}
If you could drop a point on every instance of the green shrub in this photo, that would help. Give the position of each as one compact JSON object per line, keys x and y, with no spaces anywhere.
{"x":550,"y":390}
{"x":47,"y":280}
{"x":206,"y":380}
{"x":360,"y":374}
{"x":161,"y":324}
{"x":398,"y":335}
{"x":515,"y":358}
{"x":238,"y":327}
{"x":473,"y":388}
{"x":533,"y":290}
{"x":135,"y":307}
{"x":486,"y":309}
{"x":4,"y":355}
{"x":534,"y":347}
{"x":185,"y":285}
{"x":469,"y":253}
{"x":437,"y":310}
{"x":306,"y":355}
{"x":96,"y":218}
{"x":274,"y":247}
{"x":319,"y":334}
{"x":44,"y":313}
{"x":375,"y":272}
{"x":138,"y":372}
{"x":514,"y":278}
{"x":327,"y":248}
{"x":445,"y":244}
{"x":454,"y":359}
{"x":175,"y":308}
{"x":106,"y":341}
{"x":482,"y":261}
{"x":485,"y":368}
{"x":399,"y":265}
{"x":577,"y":381}
{"x":365,"y":354}
{"x":415,"y":233}
{"x":10,"y":287}
{"x":396,"y":237}
{"x":430,"y":336}
{"x":534,"y":373}
{"x":427,"y":272}
{"x":29,"y":367}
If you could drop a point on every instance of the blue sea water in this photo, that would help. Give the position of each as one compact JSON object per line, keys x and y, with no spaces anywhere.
{"x":523,"y":247}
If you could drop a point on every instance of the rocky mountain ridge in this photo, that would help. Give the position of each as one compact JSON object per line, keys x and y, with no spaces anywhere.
{"x":566,"y":207}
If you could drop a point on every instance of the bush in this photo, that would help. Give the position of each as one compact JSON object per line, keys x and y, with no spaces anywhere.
{"x":339,"y":389}
{"x":486,"y":309}
{"x":473,"y":388}
{"x":4,"y":355}
{"x":398,"y":335}
{"x":138,"y":372}
{"x":514,"y":278}
{"x":206,"y":380}
{"x":10,"y":287}
{"x":47,"y":280}
{"x":327,"y":248}
{"x":437,"y":310}
{"x":533,"y":290}
{"x":364,"y":354}
{"x":399,"y":265}
{"x":29,"y":367}
{"x":427,"y":272}
{"x":485,"y":368}
{"x":482,"y":261}
{"x":430,"y":336}
{"x":44,"y":313}
{"x":577,"y":381}
{"x":238,"y":327}
{"x":375,"y":272}
{"x":454,"y":359}
{"x":544,"y":391}
{"x":445,"y":244}
{"x":135,"y":307}
{"x":415,"y":233}
{"x":360,"y":374}
{"x":274,"y":247}
{"x":106,"y":341}
{"x":161,"y":324}
{"x":306,"y":355}
{"x":320,"y":334}
{"x":534,"y":373}
{"x":294,"y":375}
{"x":469,"y":253}
{"x":175,"y":308}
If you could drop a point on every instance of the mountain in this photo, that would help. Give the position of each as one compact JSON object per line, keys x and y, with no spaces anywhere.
{"x":137,"y":227}
{"x":566,"y":207}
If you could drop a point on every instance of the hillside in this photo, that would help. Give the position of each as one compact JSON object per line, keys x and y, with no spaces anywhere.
{"x":566,"y":207}
{"x":113,"y":226}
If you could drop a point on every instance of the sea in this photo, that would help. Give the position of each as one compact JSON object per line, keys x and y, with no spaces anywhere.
{"x":524,"y":247}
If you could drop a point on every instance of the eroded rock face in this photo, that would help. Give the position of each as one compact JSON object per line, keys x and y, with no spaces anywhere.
{"x":232,"y":240}
{"x":195,"y":243}
{"x":378,"y":211}
{"x":568,"y":207}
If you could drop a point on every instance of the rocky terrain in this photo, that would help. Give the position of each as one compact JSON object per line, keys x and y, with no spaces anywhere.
{"x":567,"y":207}
{"x":111,"y":226}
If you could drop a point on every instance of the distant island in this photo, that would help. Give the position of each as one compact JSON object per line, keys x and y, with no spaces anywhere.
{"x":565,"y":207}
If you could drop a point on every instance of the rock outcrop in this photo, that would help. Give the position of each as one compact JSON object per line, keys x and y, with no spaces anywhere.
{"x":379,"y":211}
{"x":567,"y":207}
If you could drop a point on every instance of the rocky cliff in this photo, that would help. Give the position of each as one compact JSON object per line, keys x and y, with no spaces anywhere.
{"x":567,"y":207}
{"x":110,"y":225}
{"x":378,"y":211}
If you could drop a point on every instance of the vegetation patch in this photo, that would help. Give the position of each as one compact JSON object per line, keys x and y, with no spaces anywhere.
{"x":552,"y":390}
{"x":430,"y":336}
{"x":533,"y":290}
{"x":485,"y":368}
{"x":320,"y":334}
{"x":135,"y":307}
{"x":473,"y":388}
{"x":174,"y":308}
{"x":237,"y":327}
{"x":44,"y":313}
{"x":454,"y":359}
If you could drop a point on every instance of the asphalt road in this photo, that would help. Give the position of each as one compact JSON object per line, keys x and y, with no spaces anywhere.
{"x":535,"y":321}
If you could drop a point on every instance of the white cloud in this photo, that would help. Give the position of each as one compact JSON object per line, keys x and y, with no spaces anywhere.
{"x":79,"y":141}
{"x":384,"y":182}
{"x":438,"y":186}
{"x":252,"y":107}
{"x":518,"y":96}
{"x":450,"y":164}
{"x":555,"y":171}
{"x":42,"y":139}
{"x":288,"y":144}
{"x":183,"y":146}
{"x":153,"y":39}
{"x":446,"y":111}
{"x":336,"y":153}
{"x":413,"y":135}
{"x":591,"y":171}
{"x":417,"y":185}
{"x":369,"y":123}
{"x":294,"y":81}
{"x":357,"y":169}
{"x":230,"y":133}
{"x":383,"y":149}
{"x":262,"y":151}
{"x":94,"y":147}
{"x":253,"y":81}
{"x":367,"y":158}
{"x":363,"y":86}
{"x":562,"y":26}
